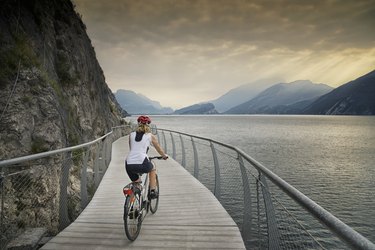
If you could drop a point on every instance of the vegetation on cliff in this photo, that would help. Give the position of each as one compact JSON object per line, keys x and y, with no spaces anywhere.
{"x":53,"y":94}
{"x":53,"y":91}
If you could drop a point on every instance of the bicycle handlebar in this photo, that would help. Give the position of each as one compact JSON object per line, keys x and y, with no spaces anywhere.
{"x":156,"y":157}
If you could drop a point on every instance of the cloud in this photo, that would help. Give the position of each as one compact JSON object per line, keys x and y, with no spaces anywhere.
{"x":203,"y":48}
{"x":285,"y":23}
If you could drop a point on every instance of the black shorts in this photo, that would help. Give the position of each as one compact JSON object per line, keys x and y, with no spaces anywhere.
{"x":133,"y":170}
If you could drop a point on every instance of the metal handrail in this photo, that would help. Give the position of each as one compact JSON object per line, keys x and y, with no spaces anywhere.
{"x":342,"y":230}
{"x":101,"y":159}
{"x":52,"y":152}
{"x":346,"y":233}
{"x":48,"y":153}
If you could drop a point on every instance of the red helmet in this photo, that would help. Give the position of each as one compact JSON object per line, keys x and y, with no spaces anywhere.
{"x":143,"y":119}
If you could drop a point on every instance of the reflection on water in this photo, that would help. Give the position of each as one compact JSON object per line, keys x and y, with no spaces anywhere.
{"x":331,"y":159}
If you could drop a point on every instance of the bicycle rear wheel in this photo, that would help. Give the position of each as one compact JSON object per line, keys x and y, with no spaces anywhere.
{"x":154,"y":202}
{"x":132,"y":217}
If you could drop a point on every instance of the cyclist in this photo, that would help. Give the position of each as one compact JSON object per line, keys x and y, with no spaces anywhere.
{"x":137,"y":160}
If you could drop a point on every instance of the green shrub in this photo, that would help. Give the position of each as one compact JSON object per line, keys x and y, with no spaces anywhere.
{"x":38,"y":145}
{"x":77,"y":156}
{"x":11,"y":55}
{"x":26,"y":99}
{"x":62,"y":68}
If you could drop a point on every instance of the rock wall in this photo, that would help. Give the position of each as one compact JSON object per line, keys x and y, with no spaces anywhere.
{"x":53,"y":94}
{"x":60,"y":96}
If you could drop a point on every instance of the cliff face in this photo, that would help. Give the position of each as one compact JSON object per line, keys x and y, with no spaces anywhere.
{"x":53,"y":94}
{"x":52,"y":90}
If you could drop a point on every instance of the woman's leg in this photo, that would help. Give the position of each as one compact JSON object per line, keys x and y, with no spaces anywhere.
{"x":152,"y":176}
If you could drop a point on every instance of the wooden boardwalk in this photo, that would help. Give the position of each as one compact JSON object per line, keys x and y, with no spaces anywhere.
{"x":188,"y":217}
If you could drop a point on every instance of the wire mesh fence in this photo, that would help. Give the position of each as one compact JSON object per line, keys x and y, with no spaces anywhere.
{"x":51,"y":191}
{"x":265,"y":213}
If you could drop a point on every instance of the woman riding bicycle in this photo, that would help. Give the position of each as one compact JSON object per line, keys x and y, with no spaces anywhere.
{"x":137,"y":160}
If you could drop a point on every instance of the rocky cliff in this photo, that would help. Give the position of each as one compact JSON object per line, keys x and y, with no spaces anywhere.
{"x":53,"y":94}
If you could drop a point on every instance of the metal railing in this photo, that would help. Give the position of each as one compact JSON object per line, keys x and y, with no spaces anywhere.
{"x":51,"y":189}
{"x":270,"y":213}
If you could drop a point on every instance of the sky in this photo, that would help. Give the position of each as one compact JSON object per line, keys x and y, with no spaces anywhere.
{"x":182,"y":52}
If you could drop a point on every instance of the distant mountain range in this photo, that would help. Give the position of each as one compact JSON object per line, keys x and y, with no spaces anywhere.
{"x":240,"y":95}
{"x":282,"y":98}
{"x":135,"y":103}
{"x":204,"y":108}
{"x":299,"y":97}
{"x":353,"y":98}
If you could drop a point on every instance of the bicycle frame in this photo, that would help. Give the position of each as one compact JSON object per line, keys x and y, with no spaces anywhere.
{"x":137,"y":204}
{"x":144,"y":195}
{"x":131,"y":189}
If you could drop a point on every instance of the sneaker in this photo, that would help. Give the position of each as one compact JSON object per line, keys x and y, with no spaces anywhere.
{"x":133,"y":214}
{"x":154,"y":194}
{"x":137,"y":187}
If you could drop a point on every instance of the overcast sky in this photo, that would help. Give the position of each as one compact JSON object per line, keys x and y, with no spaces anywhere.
{"x":182,"y":52}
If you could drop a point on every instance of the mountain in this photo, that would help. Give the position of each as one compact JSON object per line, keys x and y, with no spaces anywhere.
{"x":240,"y":95}
{"x":282,"y":98}
{"x":139,"y":104}
{"x":356,"y":97}
{"x":205,"y":108}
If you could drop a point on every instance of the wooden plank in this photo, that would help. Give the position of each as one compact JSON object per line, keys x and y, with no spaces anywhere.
{"x":188,"y":217}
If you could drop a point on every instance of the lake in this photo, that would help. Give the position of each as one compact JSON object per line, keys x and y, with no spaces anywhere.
{"x":331,"y":159}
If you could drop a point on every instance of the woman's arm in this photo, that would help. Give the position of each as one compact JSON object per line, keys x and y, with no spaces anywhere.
{"x":157,"y":147}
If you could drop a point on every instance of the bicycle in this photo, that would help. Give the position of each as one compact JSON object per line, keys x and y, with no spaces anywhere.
{"x":138,"y":203}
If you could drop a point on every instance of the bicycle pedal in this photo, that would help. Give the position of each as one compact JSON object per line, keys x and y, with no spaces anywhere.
{"x":154,"y":194}
{"x":134,"y":214}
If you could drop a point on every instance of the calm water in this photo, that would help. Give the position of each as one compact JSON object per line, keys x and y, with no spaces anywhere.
{"x":331,"y":159}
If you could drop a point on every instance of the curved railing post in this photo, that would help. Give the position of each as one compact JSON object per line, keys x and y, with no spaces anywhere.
{"x":157,"y":133}
{"x":2,"y":227}
{"x":96,"y":166}
{"x":104,"y":154}
{"x":63,"y":203}
{"x":112,"y":138}
{"x":102,"y":163}
{"x":173,"y":147}
{"x":247,"y":224}
{"x":183,"y":163}
{"x":258,"y":214}
{"x":217,"y":191}
{"x":108,"y":148}
{"x":273,"y":231}
{"x":154,"y":129}
{"x":196,"y":164}
{"x":165,"y":142}
{"x":84,"y":198}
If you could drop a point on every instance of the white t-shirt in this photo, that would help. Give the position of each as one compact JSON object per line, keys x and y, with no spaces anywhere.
{"x":138,"y":149}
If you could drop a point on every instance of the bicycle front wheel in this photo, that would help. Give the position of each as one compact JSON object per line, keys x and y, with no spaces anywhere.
{"x":132,"y":217}
{"x":155,"y":201}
